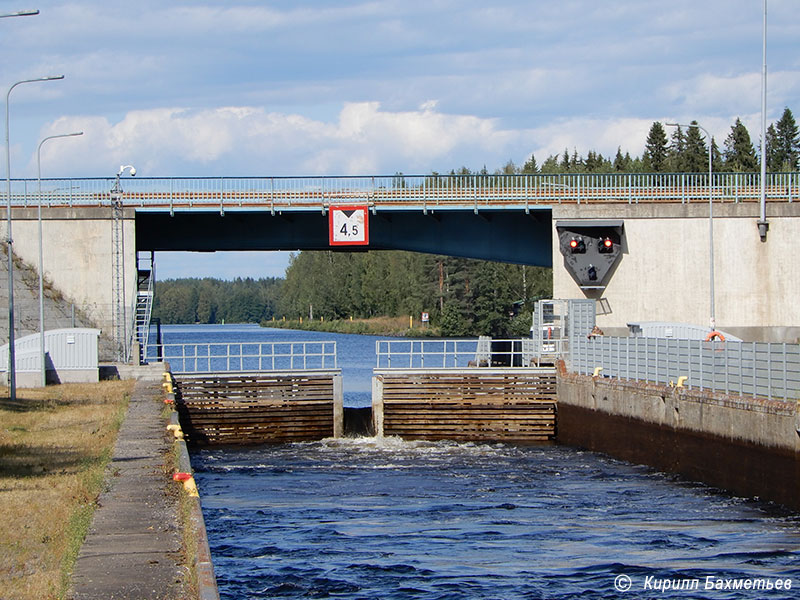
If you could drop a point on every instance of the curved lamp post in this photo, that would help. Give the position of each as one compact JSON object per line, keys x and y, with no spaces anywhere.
{"x":713,"y":322}
{"x":119,"y":311}
{"x":21,"y":13}
{"x":41,"y":259}
{"x":12,"y":380}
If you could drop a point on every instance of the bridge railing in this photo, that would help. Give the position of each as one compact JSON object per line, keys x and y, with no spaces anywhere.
{"x":762,"y":370}
{"x":281,"y":193}
{"x":219,"y":357}
{"x":453,"y":353}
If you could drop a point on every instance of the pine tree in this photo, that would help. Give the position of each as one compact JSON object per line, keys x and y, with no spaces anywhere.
{"x":787,"y":142}
{"x":530,"y":166}
{"x":740,"y":156}
{"x":677,"y":150}
{"x":619,"y":162}
{"x":655,"y":149}
{"x":772,"y":150}
{"x":695,"y":156}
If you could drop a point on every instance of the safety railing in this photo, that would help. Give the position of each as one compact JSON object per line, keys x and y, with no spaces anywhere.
{"x":738,"y":368}
{"x":477,"y":191}
{"x":454,"y":353}
{"x":220,"y":357}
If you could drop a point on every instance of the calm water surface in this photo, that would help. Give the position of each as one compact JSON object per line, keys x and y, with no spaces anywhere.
{"x":388,"y":519}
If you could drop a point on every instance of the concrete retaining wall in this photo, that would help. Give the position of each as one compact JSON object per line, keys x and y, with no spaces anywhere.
{"x":78,"y":254}
{"x":747,"y":446}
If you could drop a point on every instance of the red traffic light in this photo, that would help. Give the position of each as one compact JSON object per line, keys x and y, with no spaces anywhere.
{"x":577,"y":245}
{"x":606,"y":245}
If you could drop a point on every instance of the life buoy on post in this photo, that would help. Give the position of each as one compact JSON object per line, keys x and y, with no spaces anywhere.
{"x":712,"y":335}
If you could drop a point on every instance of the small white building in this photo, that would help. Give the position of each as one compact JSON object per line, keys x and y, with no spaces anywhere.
{"x":70,"y":357}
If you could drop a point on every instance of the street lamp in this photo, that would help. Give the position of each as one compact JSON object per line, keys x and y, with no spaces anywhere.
{"x":41,"y":259}
{"x":12,"y":380}
{"x":763,"y":226}
{"x":710,"y":216}
{"x":20,"y":13}
{"x":119,"y":311}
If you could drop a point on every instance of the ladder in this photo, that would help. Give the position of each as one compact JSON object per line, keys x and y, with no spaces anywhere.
{"x":143,"y":310}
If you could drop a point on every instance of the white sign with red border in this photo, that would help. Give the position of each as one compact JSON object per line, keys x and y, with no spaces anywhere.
{"x":348,"y":226}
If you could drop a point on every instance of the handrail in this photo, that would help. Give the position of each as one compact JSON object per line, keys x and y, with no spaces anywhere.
{"x":453,"y":353}
{"x":473,"y":191}
{"x":217,"y":357}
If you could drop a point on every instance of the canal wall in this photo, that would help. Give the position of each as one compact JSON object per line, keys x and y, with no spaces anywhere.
{"x":747,"y":446}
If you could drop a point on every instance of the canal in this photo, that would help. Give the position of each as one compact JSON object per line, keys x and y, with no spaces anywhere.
{"x":384,"y":518}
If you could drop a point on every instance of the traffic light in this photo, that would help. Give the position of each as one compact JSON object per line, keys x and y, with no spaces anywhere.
{"x":577,"y":245}
{"x":592,"y":249}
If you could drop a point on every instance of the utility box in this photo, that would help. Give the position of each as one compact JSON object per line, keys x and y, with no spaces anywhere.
{"x":556,"y":322}
{"x":70,"y":357}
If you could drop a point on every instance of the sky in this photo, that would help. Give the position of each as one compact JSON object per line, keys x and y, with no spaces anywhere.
{"x":294,"y":87}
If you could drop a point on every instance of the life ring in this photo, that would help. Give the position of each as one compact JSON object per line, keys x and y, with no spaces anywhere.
{"x":715,"y":335}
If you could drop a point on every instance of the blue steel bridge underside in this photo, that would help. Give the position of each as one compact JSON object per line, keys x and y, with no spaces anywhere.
{"x":505,"y":235}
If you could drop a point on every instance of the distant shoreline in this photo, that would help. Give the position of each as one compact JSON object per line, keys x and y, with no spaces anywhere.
{"x":388,"y":326}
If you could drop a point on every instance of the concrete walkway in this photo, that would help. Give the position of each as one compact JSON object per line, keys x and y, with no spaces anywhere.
{"x":133,"y":550}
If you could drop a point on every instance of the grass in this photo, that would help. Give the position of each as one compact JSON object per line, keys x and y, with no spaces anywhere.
{"x":55,"y":444}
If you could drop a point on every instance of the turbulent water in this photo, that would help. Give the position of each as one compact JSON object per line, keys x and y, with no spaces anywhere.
{"x":388,"y":519}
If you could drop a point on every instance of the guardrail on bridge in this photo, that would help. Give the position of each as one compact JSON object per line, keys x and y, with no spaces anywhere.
{"x":425,"y":191}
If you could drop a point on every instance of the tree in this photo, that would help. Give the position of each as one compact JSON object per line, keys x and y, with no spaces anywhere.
{"x":676,"y":151}
{"x":530,"y":166}
{"x":655,"y":149}
{"x":772,"y":152}
{"x":739,"y":154}
{"x":696,"y":154}
{"x":787,"y":143}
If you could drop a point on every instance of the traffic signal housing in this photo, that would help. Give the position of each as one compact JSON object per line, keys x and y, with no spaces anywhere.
{"x":591,"y":249}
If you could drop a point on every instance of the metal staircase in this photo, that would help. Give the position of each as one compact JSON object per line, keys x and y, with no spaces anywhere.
{"x":144,"y":307}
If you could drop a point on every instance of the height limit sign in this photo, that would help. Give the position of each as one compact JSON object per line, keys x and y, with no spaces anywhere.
{"x":348,"y":226}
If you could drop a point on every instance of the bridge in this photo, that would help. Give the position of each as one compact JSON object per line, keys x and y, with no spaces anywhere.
{"x":93,"y":231}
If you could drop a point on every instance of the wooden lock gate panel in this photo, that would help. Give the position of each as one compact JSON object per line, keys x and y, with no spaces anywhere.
{"x":504,"y":405}
{"x":259,"y":408}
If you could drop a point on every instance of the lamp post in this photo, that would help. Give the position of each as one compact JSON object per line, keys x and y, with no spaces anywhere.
{"x":41,"y":256}
{"x":713,"y":321}
{"x":119,"y":311}
{"x":763,"y":226}
{"x":12,"y":380}
{"x":20,"y":13}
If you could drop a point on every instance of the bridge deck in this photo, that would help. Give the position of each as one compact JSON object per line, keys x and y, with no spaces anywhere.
{"x":408,"y":192}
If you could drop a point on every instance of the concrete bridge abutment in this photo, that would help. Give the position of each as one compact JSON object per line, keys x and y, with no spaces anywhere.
{"x":664,"y":273}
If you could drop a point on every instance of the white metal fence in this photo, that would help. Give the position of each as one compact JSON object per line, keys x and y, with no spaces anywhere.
{"x":453,"y":353}
{"x":268,"y":193}
{"x":250,"y":357}
{"x":737,"y":368}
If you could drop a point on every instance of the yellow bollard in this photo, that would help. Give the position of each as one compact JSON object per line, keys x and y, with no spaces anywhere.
{"x":167,"y":385}
{"x":410,"y":321}
{"x":191,"y":487}
{"x":176,"y":431}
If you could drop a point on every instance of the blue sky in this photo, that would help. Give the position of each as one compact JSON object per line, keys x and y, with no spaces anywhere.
{"x":373,"y":87}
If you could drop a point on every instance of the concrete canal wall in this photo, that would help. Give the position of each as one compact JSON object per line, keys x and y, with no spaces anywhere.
{"x":747,"y":446}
